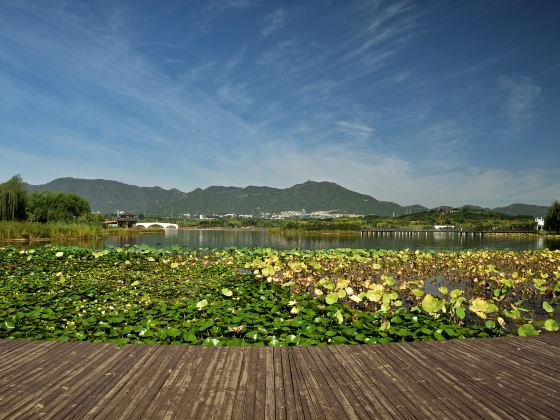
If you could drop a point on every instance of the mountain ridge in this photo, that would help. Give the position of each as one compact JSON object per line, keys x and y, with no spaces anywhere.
{"x":108,"y":196}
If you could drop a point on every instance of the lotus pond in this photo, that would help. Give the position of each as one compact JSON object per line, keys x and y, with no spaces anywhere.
{"x":261,"y":296}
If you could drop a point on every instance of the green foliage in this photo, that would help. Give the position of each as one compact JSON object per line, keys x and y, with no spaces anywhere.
{"x":264,"y":297}
{"x":51,"y":206}
{"x":552,"y":219}
{"x":56,"y":231}
{"x":13,"y":199}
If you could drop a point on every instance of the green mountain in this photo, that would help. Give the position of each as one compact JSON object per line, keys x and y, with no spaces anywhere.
{"x":517,"y":209}
{"x":109,"y":196}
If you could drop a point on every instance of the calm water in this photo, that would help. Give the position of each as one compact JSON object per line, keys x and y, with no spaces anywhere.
{"x":244,"y":238}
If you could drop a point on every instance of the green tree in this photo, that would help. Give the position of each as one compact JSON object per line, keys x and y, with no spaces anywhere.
{"x":48,"y":206}
{"x":13,"y":199}
{"x":552,"y":219}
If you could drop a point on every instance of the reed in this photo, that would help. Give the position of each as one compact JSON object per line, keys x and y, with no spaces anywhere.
{"x":36,"y":231}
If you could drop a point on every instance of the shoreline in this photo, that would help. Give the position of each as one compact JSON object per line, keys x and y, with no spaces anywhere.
{"x":115,"y":232}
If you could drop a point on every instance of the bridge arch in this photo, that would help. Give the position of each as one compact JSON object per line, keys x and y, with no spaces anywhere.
{"x":160,"y":224}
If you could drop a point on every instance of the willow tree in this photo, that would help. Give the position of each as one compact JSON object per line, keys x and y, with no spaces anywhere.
{"x":13,"y":199}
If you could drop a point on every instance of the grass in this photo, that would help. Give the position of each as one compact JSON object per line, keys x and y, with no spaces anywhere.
{"x":29,"y":231}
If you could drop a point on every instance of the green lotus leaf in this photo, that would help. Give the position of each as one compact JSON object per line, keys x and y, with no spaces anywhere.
{"x":211,"y":342}
{"x":547,"y":307}
{"x":455,"y":293}
{"x":527,"y":330}
{"x":339,"y":316}
{"x":490,"y":324}
{"x":201,"y":304}
{"x":551,"y":325}
{"x":480,"y":307}
{"x":268,"y":271}
{"x":374,"y":296}
{"x":432,"y":304}
{"x":331,"y":298}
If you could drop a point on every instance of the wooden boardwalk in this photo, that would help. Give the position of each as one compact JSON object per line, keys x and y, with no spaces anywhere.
{"x":511,"y":377}
{"x":457,"y":231}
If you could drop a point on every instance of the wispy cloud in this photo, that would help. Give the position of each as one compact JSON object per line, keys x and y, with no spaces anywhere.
{"x":355,"y":129}
{"x":521,"y":93}
{"x":274,"y":21}
{"x":352,"y":96}
{"x":234,"y":95}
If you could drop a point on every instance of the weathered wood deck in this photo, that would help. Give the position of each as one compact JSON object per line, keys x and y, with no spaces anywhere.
{"x":509,"y":377}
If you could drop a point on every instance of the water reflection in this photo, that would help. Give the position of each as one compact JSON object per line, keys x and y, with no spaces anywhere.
{"x":292,"y":240}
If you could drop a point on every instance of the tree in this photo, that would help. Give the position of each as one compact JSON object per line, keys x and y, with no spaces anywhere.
{"x":48,"y":206}
{"x":13,"y":199}
{"x":552,"y":219}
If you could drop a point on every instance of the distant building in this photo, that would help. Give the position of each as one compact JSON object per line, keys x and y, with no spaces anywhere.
{"x":126,"y":219}
{"x":540,"y":223}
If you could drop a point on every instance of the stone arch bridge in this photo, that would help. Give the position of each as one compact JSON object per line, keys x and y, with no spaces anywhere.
{"x":160,"y":224}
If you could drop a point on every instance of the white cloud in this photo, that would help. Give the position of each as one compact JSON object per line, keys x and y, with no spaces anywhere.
{"x":274,"y":21}
{"x":355,"y":129}
{"x":521,"y":94}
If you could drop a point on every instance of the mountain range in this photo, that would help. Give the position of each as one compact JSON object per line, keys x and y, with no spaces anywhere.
{"x":107,"y":196}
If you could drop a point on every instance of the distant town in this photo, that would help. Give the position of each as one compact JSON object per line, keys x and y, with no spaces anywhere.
{"x":291,"y":214}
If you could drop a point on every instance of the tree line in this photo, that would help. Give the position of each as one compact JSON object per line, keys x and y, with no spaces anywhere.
{"x":16,"y":204}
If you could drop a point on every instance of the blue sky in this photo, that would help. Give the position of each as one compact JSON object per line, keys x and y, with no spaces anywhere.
{"x":429,"y":102}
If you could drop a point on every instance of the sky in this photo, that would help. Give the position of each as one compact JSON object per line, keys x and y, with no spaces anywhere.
{"x":429,"y":102}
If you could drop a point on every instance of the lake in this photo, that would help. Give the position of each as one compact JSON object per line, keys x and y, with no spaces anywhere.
{"x":281,"y":240}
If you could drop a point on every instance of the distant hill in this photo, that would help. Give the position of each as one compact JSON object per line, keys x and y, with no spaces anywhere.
{"x":108,"y":196}
{"x":517,"y":209}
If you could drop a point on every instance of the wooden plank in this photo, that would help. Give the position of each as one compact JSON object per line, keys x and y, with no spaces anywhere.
{"x":36,"y":379}
{"x":381,"y":374}
{"x":503,"y":377}
{"x":341,"y":399}
{"x":260,"y":382}
{"x":464,"y":365}
{"x":161,"y":402}
{"x":185,"y":381}
{"x":149,"y":384}
{"x":251,"y":385}
{"x":196,"y":392}
{"x":431,"y":402}
{"x":208,"y":407}
{"x":371,"y":390}
{"x":524,"y":383}
{"x":270,"y":398}
{"x":411,"y":390}
{"x":132,"y":387}
{"x":319,"y":393}
{"x":239,"y":400}
{"x":445,"y":388}
{"x":97,"y":382}
{"x":119,"y":389}
{"x":231,"y":391}
{"x":303,"y":411}
{"x":71,"y":383}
